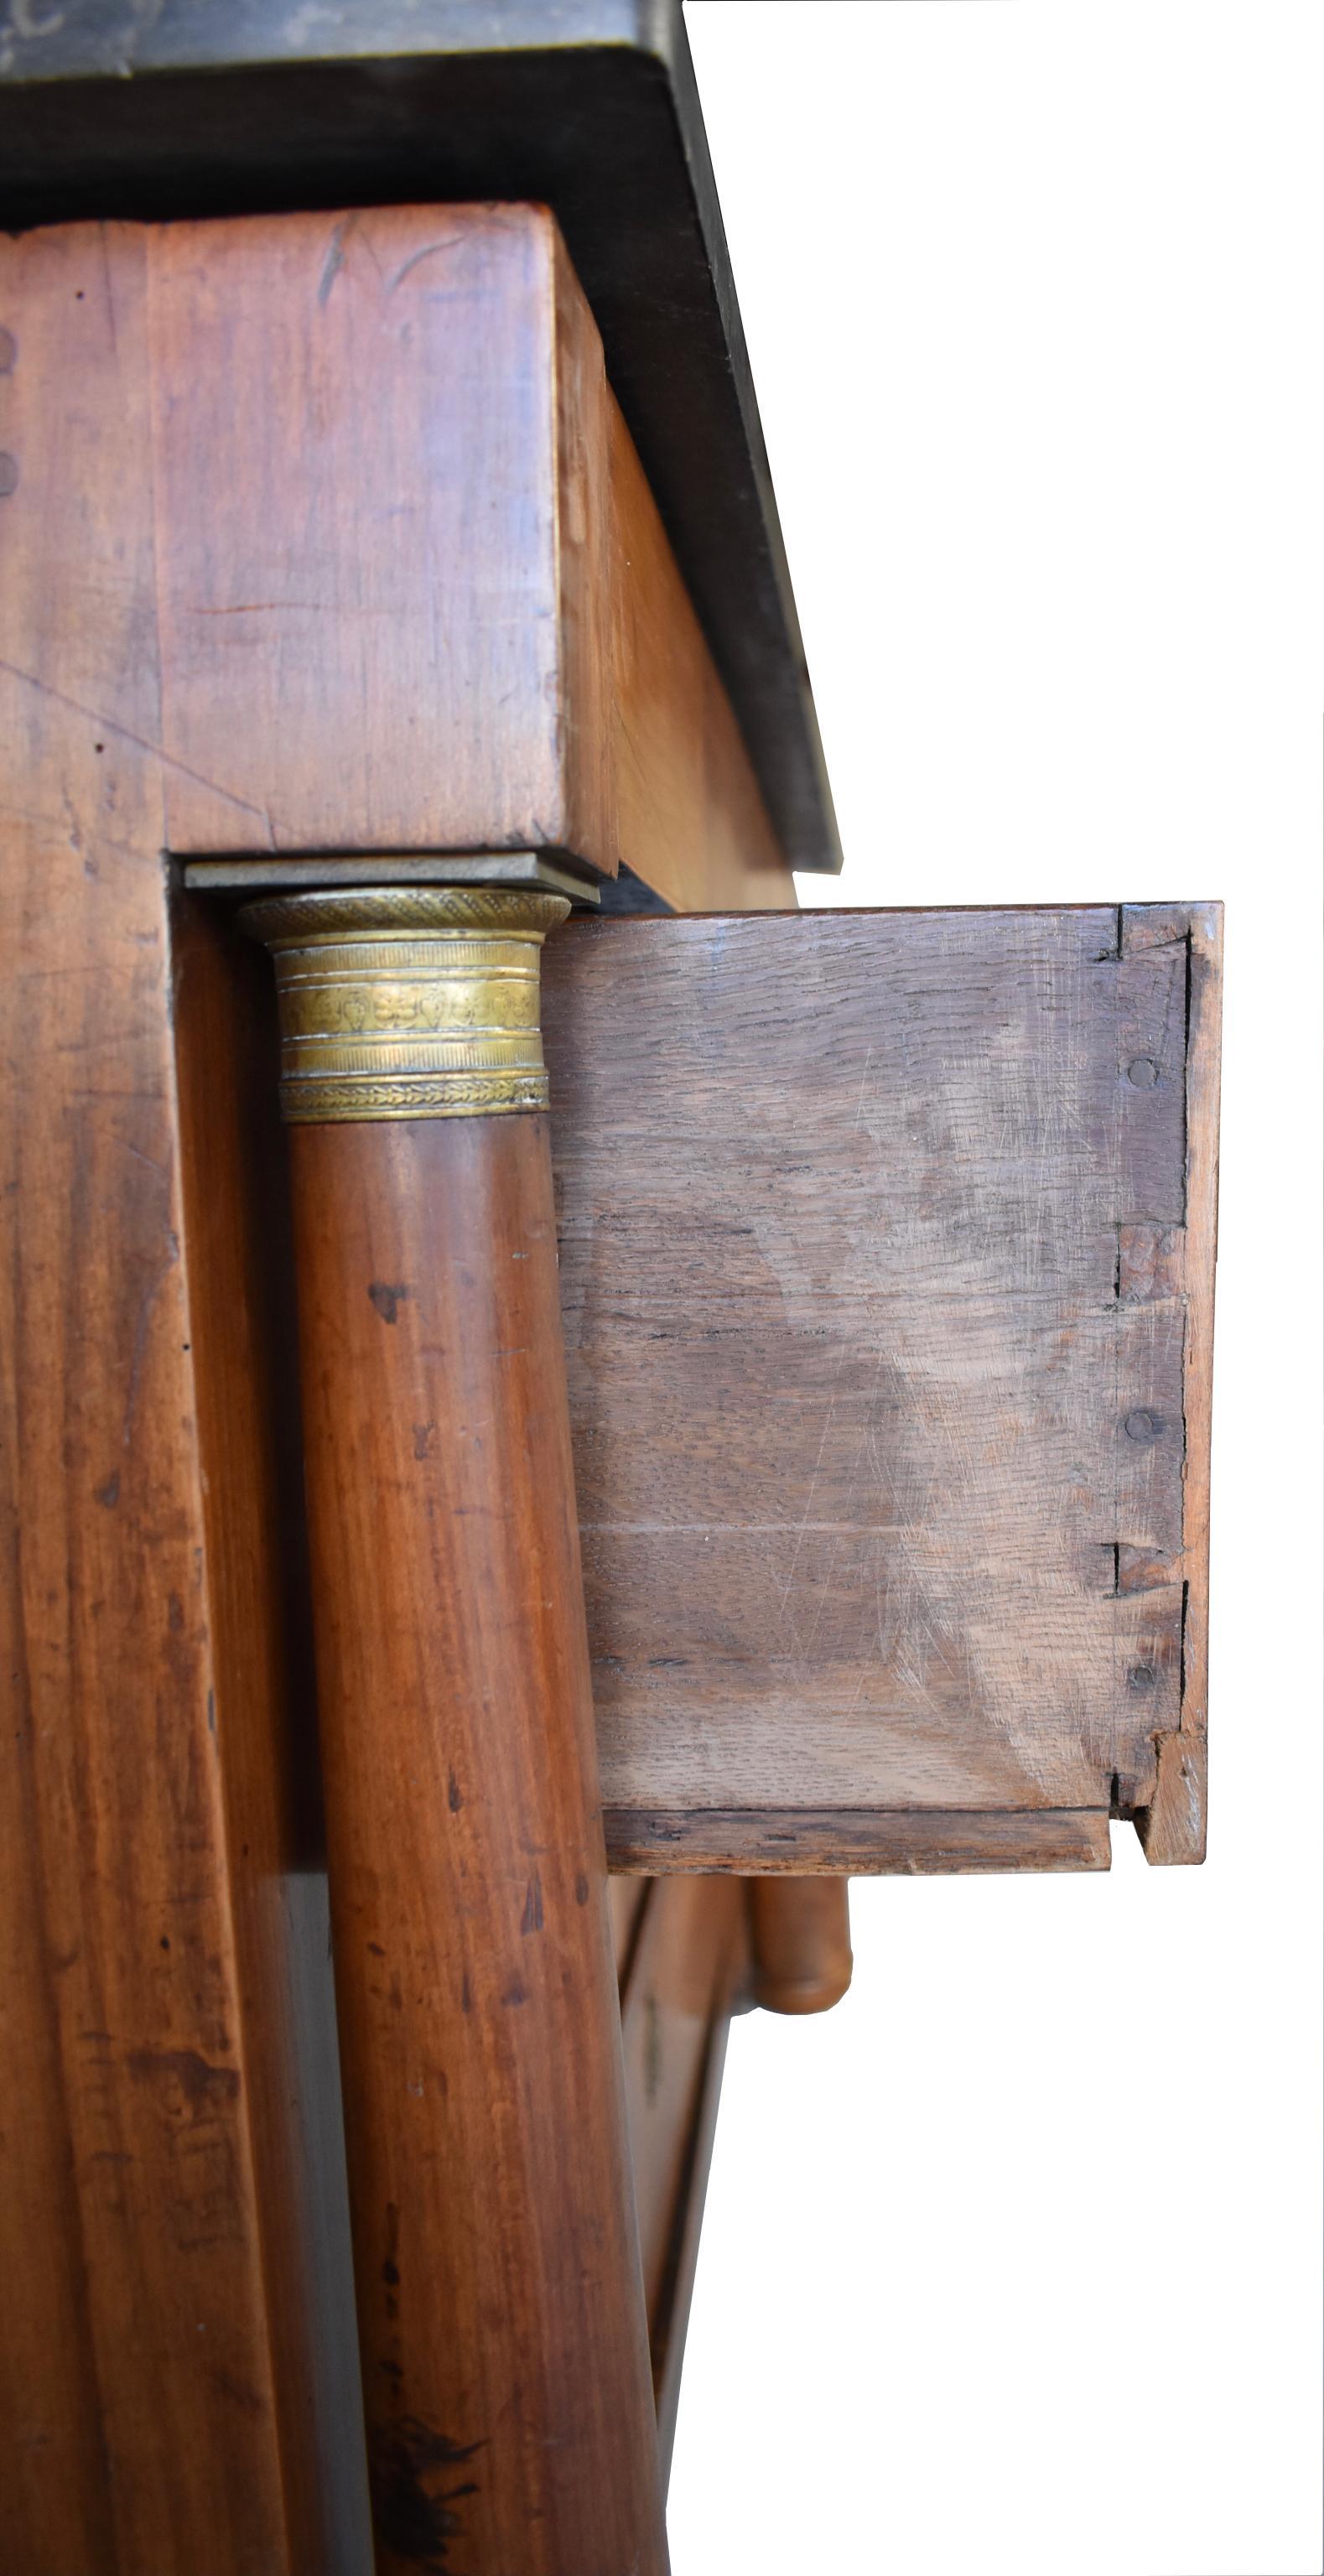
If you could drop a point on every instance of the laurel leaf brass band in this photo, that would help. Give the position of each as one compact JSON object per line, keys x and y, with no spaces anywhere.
{"x":408,"y":1001}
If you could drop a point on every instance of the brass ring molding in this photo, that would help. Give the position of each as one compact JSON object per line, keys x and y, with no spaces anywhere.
{"x":408,"y":1001}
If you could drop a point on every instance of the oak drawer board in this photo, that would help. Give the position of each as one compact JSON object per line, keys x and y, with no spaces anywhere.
{"x":887,"y":1270}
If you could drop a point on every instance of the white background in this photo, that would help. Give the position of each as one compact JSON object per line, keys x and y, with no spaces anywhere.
{"x":1013,"y":2262}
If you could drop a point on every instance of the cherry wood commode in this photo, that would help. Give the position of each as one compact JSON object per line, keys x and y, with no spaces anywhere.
{"x":553,"y":1407}
{"x":213,"y":1689}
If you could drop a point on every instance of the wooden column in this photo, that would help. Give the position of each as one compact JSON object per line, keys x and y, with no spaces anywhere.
{"x":501,"y":2315}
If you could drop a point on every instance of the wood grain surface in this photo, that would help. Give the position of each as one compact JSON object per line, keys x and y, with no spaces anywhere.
{"x":688,"y":1968}
{"x":234,"y":1186}
{"x":1173,"y":1826}
{"x":689,"y":817}
{"x":501,"y":2311}
{"x":171,"y":2397}
{"x":670,"y":2321}
{"x":877,"y":1285}
{"x":414,"y":591}
{"x":691,"y":1943}
{"x":864,"y":1842}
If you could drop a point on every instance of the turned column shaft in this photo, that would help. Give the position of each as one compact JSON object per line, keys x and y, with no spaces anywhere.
{"x":501,"y":2318}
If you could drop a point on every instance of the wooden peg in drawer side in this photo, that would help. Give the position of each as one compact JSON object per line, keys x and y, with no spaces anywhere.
{"x":800,"y":1930}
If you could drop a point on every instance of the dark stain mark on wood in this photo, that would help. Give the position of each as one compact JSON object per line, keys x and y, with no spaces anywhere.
{"x":515,"y":1993}
{"x":390,"y":2261}
{"x":414,"y":2514}
{"x":108,"y":1494}
{"x":581,"y":1888}
{"x":425,"y":1439}
{"x":531,"y":1919}
{"x":390,"y":2267}
{"x":376,"y":1949}
{"x":239,"y":2392}
{"x":388,"y":1297}
{"x":202,"y":2085}
{"x":453,"y":1798}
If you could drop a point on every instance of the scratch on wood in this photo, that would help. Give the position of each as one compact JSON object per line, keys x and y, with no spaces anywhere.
{"x":431,"y":250}
{"x":125,"y":733}
{"x":335,"y":257}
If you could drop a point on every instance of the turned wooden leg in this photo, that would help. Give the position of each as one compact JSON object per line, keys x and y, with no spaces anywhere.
{"x":501,"y":2316}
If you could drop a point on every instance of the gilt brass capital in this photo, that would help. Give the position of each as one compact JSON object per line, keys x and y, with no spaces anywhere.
{"x":408,"y":1001}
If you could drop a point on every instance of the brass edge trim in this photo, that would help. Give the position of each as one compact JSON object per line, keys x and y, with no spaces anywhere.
{"x":407,"y":1001}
